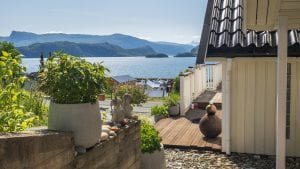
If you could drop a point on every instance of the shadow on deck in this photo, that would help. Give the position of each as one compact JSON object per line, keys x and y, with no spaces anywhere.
{"x":182,"y":133}
{"x":207,"y":97}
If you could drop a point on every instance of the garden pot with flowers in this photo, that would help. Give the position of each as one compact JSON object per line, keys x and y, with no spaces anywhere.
{"x":153,"y":155}
{"x":73,"y":85}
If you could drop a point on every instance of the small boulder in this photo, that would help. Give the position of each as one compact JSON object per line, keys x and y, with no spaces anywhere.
{"x":104,"y":136}
{"x":112,"y":133}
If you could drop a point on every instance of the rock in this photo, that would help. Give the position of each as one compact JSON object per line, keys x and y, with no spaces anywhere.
{"x":80,"y":149}
{"x":112,"y":133}
{"x":114,"y":128}
{"x":176,"y":158}
{"x":257,"y":157}
{"x":106,"y":128}
{"x":104,"y":136}
{"x":135,"y":117}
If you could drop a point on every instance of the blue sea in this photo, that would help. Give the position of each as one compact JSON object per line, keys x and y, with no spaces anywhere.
{"x":138,"y":67}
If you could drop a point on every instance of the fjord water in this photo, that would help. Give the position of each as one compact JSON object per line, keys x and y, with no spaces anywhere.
{"x":139,"y":67}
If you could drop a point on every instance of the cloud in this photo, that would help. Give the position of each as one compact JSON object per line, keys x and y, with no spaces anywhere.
{"x":55,"y":32}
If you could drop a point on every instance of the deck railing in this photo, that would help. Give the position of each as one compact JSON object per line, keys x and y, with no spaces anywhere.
{"x":196,"y":80}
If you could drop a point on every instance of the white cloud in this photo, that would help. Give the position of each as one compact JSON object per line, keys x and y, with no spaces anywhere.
{"x":55,"y":32}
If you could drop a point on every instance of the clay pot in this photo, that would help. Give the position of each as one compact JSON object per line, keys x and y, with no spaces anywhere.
{"x":101,"y":97}
{"x":210,"y":124}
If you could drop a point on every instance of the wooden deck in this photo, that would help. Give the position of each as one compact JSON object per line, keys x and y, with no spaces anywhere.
{"x":209,"y":97}
{"x":182,"y":133}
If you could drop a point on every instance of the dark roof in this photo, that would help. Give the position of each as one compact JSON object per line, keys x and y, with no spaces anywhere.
{"x":223,"y":36}
{"x":123,"y":78}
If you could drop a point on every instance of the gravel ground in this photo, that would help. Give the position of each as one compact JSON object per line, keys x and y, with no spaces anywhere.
{"x":192,"y":159}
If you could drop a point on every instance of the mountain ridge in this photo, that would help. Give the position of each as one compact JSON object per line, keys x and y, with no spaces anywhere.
{"x":20,"y":38}
{"x":83,"y":49}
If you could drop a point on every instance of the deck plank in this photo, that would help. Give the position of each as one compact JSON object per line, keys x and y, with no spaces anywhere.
{"x":181,"y":132}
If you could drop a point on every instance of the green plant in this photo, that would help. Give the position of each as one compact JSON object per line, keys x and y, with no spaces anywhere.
{"x":71,"y":80}
{"x":10,"y":48}
{"x":13,"y":115}
{"x":172,"y":100}
{"x":103,"y":116}
{"x":176,"y":85}
{"x":137,"y":93}
{"x":35,"y":103}
{"x":159,"y":111}
{"x":149,"y":137}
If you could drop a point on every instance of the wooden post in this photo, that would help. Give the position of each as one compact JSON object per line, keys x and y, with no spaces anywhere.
{"x":281,"y":93}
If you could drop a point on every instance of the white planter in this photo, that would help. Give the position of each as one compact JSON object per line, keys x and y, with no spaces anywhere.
{"x":155,"y":160}
{"x":174,"y":110}
{"x":84,"y":120}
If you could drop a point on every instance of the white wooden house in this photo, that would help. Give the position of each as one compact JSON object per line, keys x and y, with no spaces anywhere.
{"x":258,"y":44}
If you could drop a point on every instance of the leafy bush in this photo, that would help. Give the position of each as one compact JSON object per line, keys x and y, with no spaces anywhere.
{"x":13,"y":115}
{"x":70,"y":80}
{"x":159,"y":111}
{"x":35,"y":103}
{"x":176,"y":85}
{"x":149,"y":138}
{"x":10,"y":48}
{"x":172,"y":100}
{"x":103,"y":117}
{"x":137,"y":93}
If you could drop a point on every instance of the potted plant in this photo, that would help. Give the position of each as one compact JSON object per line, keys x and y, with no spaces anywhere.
{"x":172,"y":102}
{"x":152,"y":150}
{"x":73,"y":85}
{"x":101,"y":97}
{"x":159,"y":112}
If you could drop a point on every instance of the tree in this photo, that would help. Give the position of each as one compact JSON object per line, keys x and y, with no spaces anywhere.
{"x":10,"y":48}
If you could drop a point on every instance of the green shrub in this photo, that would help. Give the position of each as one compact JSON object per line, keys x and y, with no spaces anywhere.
{"x":172,"y":100}
{"x":137,"y":93}
{"x":149,"y":138}
{"x":10,"y":48}
{"x":103,"y":117}
{"x":71,"y":80}
{"x":13,"y":116}
{"x":35,"y":103}
{"x":176,"y":85}
{"x":159,"y":111}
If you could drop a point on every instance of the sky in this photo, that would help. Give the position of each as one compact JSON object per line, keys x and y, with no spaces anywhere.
{"x":156,"y":20}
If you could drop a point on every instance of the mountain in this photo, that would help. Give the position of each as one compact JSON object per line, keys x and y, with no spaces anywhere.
{"x":195,"y":50}
{"x":124,"y":41}
{"x":184,"y":55}
{"x":83,"y":49}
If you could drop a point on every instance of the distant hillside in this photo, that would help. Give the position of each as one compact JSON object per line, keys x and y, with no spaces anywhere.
{"x":84,"y":49}
{"x":195,"y":50}
{"x":159,"y":55}
{"x":184,"y":55}
{"x":124,"y":41}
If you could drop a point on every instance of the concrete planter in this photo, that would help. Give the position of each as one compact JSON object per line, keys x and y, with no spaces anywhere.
{"x":174,"y":110}
{"x":153,"y":160}
{"x":84,"y":120}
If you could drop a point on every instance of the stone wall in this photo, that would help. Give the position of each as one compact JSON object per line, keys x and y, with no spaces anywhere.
{"x":120,"y":152}
{"x":48,"y":149}
{"x":42,"y":149}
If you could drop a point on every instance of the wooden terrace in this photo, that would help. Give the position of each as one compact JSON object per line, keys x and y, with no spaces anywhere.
{"x":182,"y":133}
